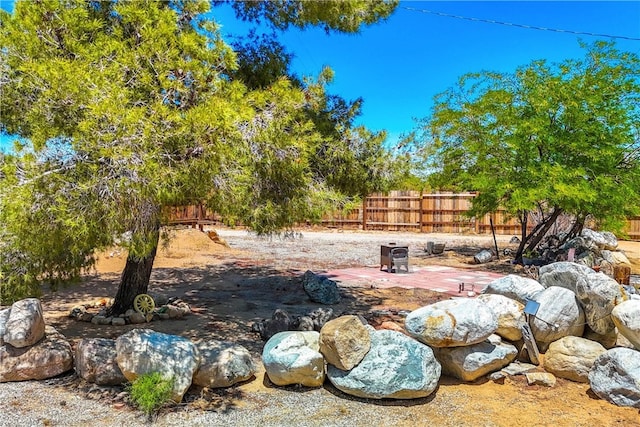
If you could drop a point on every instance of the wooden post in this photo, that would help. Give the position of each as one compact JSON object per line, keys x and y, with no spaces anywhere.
{"x":493,"y":231}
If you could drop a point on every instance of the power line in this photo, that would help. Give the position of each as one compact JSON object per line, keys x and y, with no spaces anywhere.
{"x":511,"y":24}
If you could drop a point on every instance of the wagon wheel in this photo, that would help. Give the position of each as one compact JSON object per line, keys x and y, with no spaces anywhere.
{"x":144,"y":304}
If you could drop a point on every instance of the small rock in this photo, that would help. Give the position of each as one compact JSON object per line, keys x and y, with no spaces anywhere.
{"x":118,"y":321}
{"x":541,"y":378}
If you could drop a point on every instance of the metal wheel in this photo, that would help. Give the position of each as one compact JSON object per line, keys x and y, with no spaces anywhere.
{"x":144,"y":304}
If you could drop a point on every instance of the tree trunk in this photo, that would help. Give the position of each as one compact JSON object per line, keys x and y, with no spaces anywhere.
{"x":134,"y":280}
{"x":535,"y":239}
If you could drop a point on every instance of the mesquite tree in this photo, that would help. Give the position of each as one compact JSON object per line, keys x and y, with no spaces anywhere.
{"x":557,"y":139}
{"x":132,"y":105}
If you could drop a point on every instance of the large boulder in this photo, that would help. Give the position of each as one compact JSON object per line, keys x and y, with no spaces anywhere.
{"x":396,"y":367}
{"x":320,"y":289}
{"x":563,"y":274}
{"x":95,"y":361}
{"x":515,"y":287}
{"x":223,"y":364}
{"x":143,"y":351}
{"x":510,"y":315}
{"x":604,"y":239}
{"x":344,"y":342}
{"x":294,"y":357}
{"x":559,"y":315}
{"x":626,"y":317}
{"x":598,"y":294}
{"x":572,"y":358}
{"x":452,"y":323}
{"x":25,"y":325}
{"x":472,"y":362}
{"x":615,"y":377}
{"x":49,"y":357}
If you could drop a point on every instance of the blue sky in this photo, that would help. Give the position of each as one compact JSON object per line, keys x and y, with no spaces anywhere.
{"x":398,"y":66}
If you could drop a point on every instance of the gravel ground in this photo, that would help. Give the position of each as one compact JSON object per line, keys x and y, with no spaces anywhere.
{"x":336,"y":249}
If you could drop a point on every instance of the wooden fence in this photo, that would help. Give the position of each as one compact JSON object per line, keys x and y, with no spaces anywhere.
{"x":399,"y":211}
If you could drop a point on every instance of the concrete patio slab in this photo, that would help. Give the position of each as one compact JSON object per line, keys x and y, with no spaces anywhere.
{"x":437,"y":278}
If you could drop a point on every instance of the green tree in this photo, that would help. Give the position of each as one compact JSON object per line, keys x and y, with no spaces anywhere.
{"x":132,"y":105}
{"x":558,"y":139}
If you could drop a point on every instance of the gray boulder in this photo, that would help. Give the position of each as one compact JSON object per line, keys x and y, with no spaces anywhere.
{"x":598,"y":294}
{"x":344,"y":342}
{"x":515,"y":287}
{"x":474,"y":361}
{"x":280,"y":321}
{"x":563,"y":274}
{"x":223,"y":364}
{"x":615,"y":377}
{"x":25,"y":325}
{"x":95,"y":362}
{"x":604,"y":239}
{"x":452,"y":323}
{"x":626,"y":317}
{"x":510,"y":315}
{"x":294,"y":358}
{"x":320,"y":289}
{"x":47,"y":358}
{"x":396,"y":367}
{"x":143,"y":351}
{"x":559,"y":315}
{"x":572,"y":358}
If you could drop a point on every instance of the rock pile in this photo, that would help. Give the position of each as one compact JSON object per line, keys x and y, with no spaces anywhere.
{"x":172,"y":308}
{"x":582,"y":314}
{"x":29,"y":350}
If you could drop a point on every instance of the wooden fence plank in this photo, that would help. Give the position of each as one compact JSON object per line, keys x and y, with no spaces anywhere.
{"x":399,"y":211}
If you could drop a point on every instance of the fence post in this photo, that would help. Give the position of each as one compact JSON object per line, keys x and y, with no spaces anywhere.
{"x":364,"y":213}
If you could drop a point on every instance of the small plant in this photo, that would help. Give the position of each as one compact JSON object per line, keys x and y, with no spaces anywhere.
{"x":150,"y":392}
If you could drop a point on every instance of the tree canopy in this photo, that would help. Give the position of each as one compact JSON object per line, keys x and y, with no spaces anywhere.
{"x":129,"y":106}
{"x":554,"y":138}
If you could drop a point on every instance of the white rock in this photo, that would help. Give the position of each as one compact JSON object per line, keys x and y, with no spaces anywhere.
{"x":143,"y":351}
{"x":293,"y":357}
{"x":510,"y":315}
{"x":515,"y":287}
{"x":25,"y":324}
{"x":619,"y":257}
{"x":572,"y":358}
{"x":563,"y":274}
{"x":626,"y":317}
{"x":615,"y":377}
{"x":559,"y":315}
{"x":452,"y":323}
{"x":471,"y":362}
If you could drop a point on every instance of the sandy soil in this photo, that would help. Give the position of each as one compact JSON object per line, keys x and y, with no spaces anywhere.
{"x":229,"y":288}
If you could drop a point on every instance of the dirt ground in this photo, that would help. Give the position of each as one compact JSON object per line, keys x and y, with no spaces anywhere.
{"x":230,"y":288}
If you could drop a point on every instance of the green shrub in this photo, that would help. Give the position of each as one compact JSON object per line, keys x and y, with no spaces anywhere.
{"x":150,"y":392}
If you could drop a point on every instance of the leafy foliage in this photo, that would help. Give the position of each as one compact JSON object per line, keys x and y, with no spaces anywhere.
{"x":129,"y":106}
{"x":558,"y":138}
